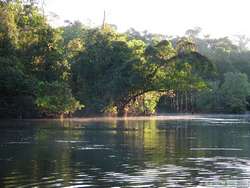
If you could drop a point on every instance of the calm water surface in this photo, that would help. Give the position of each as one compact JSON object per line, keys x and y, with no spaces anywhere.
{"x":188,"y":151}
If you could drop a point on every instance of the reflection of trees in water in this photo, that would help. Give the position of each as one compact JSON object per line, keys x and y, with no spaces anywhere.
{"x":57,"y":150}
{"x":35,"y":154}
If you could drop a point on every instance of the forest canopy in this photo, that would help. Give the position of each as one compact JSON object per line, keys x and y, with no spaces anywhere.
{"x":49,"y":72}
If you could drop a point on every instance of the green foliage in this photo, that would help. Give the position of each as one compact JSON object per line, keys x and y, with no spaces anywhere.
{"x":210,"y":99}
{"x":235,"y":90}
{"x":108,"y":68}
{"x":145,"y":104}
{"x":56,"y":98}
{"x":31,"y":51}
{"x":230,"y":96}
{"x":111,"y":72}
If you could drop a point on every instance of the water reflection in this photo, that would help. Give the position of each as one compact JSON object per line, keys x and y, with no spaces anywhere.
{"x":201,"y":151}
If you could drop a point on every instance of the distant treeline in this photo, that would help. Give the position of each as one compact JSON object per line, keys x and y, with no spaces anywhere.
{"x":50,"y":72}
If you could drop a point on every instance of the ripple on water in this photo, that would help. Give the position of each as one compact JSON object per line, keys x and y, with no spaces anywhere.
{"x":79,"y":186}
{"x":141,"y":166}
{"x":220,"y":171}
{"x":92,"y":147}
{"x":9,"y":143}
{"x":215,"y":149}
{"x":70,"y":141}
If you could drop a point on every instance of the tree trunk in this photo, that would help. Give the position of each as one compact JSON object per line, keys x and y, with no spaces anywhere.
{"x":171,"y":105}
{"x":191,"y":102}
{"x":186,"y":101}
{"x":181,"y":103}
{"x":177,"y":102}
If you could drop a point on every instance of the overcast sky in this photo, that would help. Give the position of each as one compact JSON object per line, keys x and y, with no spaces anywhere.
{"x":172,"y":17}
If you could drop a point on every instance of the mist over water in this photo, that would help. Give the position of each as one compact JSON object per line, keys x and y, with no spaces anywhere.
{"x":162,"y":151}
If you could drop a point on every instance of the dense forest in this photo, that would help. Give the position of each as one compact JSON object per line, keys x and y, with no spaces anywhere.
{"x":79,"y":70}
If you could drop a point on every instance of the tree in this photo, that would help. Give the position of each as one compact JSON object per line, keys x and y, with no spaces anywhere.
{"x":235,"y":90}
{"x":31,"y":51}
{"x":56,"y":98}
{"x":106,"y":71}
{"x":210,"y":99}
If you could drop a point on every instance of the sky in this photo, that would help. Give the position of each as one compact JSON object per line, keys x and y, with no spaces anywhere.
{"x":218,"y":18}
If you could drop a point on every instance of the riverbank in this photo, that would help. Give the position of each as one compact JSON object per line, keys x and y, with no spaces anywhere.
{"x":160,"y":117}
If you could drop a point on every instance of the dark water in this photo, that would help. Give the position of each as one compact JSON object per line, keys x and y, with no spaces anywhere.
{"x":198,"y":152}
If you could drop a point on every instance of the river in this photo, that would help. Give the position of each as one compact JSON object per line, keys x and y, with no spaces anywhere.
{"x":162,"y":151}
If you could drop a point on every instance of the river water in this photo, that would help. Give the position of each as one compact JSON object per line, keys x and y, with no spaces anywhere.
{"x":163,"y":151}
